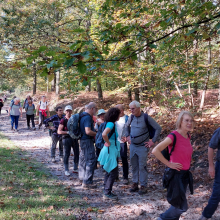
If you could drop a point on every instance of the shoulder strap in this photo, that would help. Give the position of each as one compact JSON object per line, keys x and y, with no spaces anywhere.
{"x":174,"y":143}
{"x":40,"y":102}
{"x":126,"y":118}
{"x":146,"y":118}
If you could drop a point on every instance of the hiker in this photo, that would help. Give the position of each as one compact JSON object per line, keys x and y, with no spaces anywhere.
{"x":29,"y":108}
{"x":214,"y":172}
{"x":53,"y":123}
{"x":87,"y":157}
{"x":68,"y":142}
{"x":26,"y":101}
{"x":177,"y":176}
{"x":42,"y":111}
{"x":1,"y":105}
{"x":110,"y":152}
{"x":5,"y":97}
{"x":120,"y":124}
{"x":15,"y":110}
{"x":137,"y":134}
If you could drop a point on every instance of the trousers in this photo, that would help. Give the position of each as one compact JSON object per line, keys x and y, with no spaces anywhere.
{"x":87,"y":161}
{"x":14,"y":120}
{"x":30,"y":117}
{"x":56,"y":139}
{"x":109,"y":180}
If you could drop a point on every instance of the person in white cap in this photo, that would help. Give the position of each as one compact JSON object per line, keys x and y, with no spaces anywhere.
{"x":101,"y":118}
{"x":68,"y":142}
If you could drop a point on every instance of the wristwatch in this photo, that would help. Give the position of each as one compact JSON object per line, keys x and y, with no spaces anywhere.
{"x":68,"y":132}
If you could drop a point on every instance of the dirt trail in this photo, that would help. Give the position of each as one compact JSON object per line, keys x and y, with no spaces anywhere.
{"x":130,"y":205}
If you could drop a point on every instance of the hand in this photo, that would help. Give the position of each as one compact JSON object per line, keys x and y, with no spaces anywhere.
{"x":21,"y":115}
{"x":123,"y":139}
{"x":128,"y":139}
{"x":8,"y":114}
{"x":107,"y":144}
{"x":52,"y":128}
{"x":212,"y":171}
{"x":37,"y":114}
{"x":175,"y":166}
{"x":149,"y":144}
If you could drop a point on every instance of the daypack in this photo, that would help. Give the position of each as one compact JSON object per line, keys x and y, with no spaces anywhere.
{"x":1,"y":104}
{"x":166,"y":152}
{"x":99,"y":141}
{"x":151,"y":130}
{"x":27,"y":106}
{"x":74,"y":127}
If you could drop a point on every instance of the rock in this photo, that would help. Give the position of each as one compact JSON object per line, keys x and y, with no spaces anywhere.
{"x":139,"y":211}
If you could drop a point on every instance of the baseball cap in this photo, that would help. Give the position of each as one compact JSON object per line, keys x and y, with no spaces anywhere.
{"x":101,"y":111}
{"x":68,"y":107}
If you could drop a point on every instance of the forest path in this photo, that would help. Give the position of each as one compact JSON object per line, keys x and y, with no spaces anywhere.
{"x":36,"y":145}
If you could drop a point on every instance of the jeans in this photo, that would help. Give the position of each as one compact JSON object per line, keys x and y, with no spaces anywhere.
{"x":97,"y":151}
{"x":41,"y":119}
{"x":14,"y":119}
{"x":55,"y":139}
{"x":30,"y":117}
{"x":174,"y":213}
{"x":87,"y":161}
{"x":215,"y":197}
{"x":124,"y":159}
{"x":69,"y":143}
{"x":109,"y":180}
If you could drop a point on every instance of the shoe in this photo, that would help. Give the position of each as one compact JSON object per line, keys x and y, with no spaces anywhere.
{"x":125,"y":181}
{"x":28,"y":128}
{"x":61,"y":159}
{"x":159,"y":218}
{"x":53,"y":160}
{"x":134,"y":187}
{"x":88,"y":186}
{"x":203,"y":218}
{"x":12,"y":128}
{"x":16,"y":130}
{"x":34,"y":128}
{"x":143,"y":190}
{"x":110,"y":196}
{"x":75,"y":171}
{"x":67,"y":173}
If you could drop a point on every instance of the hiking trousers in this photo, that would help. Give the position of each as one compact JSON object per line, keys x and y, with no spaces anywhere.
{"x":41,"y":119}
{"x":69,"y":143}
{"x":124,"y":159}
{"x":14,"y":120}
{"x":56,"y":139}
{"x":109,"y":180}
{"x":30,"y":117}
{"x":87,"y":161}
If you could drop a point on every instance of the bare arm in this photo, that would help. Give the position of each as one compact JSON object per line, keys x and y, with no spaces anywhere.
{"x":37,"y":109}
{"x":21,"y":111}
{"x":9,"y":110}
{"x":211,"y":162}
{"x":157,"y":152}
{"x":90,"y":132}
{"x":60,"y":130}
{"x":105,"y":135}
{"x":48,"y":112}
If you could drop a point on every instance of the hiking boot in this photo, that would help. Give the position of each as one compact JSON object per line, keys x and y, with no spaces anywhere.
{"x":203,"y":218}
{"x":75,"y":171}
{"x":53,"y":160}
{"x":67,"y":173}
{"x":16,"y":130}
{"x":134,"y":187}
{"x":61,"y":159}
{"x":159,"y":218}
{"x":110,"y":196}
{"x":143,"y":190}
{"x":88,"y":186}
{"x":125,"y":181}
{"x":34,"y":128}
{"x":12,"y":128}
{"x":28,"y":128}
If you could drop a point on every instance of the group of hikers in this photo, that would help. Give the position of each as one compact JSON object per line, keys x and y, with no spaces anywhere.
{"x":105,"y":139}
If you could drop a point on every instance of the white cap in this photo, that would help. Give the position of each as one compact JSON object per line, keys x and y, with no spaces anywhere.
{"x":68,"y":107}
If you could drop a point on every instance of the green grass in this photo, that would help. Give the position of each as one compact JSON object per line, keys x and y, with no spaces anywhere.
{"x":28,"y":191}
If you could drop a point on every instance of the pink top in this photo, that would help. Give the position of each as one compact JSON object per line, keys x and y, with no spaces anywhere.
{"x":182,"y":152}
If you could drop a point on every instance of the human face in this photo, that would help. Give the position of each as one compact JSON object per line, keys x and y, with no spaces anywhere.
{"x":60,"y":112}
{"x":102,"y":117}
{"x":187,"y":123}
{"x":121,"y":112}
{"x":135,"y":110}
{"x":68,"y":113}
{"x":43,"y":99}
{"x":94,"y":110}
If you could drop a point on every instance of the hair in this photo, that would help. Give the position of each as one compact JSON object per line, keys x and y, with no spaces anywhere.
{"x":28,"y":96}
{"x":120,"y":106}
{"x":90,"y":105}
{"x":57,"y":108}
{"x":136,"y":103}
{"x":29,"y":101}
{"x":16,"y":99}
{"x":180,"y":118}
{"x":112,"y":115}
{"x":43,"y":96}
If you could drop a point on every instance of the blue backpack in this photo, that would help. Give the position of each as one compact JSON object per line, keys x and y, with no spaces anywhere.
{"x":99,"y":141}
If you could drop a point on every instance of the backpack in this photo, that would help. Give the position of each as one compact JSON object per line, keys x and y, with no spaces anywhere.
{"x":74,"y":127}
{"x":166,"y":152}
{"x":151,"y":130}
{"x":99,"y":141}
{"x":26,"y":109}
{"x":1,"y":104}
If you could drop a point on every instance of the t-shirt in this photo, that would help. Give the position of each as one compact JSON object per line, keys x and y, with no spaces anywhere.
{"x":215,"y":142}
{"x":183,"y":150}
{"x":111,"y":126}
{"x":86,"y":121}
{"x":15,"y":109}
{"x":30,"y":109}
{"x":120,"y":124}
{"x":43,"y":105}
{"x":64,"y":122}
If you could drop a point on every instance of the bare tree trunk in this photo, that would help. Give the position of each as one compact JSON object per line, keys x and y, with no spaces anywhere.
{"x":89,"y":85}
{"x":206,"y":79}
{"x":53,"y":83}
{"x":47,"y":84}
{"x":129,"y":94}
{"x":99,"y":89}
{"x":34,"y":78}
{"x":195,"y":84}
{"x":137,"y":94}
{"x":57,"y":82}
{"x":219,"y":87}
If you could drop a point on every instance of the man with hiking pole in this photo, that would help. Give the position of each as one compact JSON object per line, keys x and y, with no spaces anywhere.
{"x":142,"y":132}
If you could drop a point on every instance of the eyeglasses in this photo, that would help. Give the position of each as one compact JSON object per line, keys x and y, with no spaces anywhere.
{"x":132,"y":109}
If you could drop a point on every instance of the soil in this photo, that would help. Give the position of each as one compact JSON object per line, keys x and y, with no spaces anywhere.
{"x":36,"y":145}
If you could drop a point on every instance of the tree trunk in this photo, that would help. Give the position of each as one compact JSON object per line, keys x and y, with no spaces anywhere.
{"x":195,"y":84}
{"x":219,"y":87}
{"x":129,"y":94}
{"x":89,"y":86}
{"x":57,"y":82}
{"x":99,"y":89}
{"x":47,"y":84}
{"x":137,"y":94}
{"x":53,"y":83}
{"x":34,"y":78}
{"x":206,"y":79}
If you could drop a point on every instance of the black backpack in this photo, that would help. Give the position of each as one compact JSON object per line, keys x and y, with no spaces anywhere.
{"x":1,"y":104}
{"x":166,"y":152}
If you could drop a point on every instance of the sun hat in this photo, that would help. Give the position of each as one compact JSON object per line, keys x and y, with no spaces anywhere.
{"x":68,"y":107}
{"x":101,"y":111}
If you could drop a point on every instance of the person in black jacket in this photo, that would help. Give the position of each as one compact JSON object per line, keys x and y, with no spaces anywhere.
{"x":177,"y":176}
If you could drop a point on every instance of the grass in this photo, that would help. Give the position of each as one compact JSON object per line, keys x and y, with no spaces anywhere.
{"x":29,"y":192}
